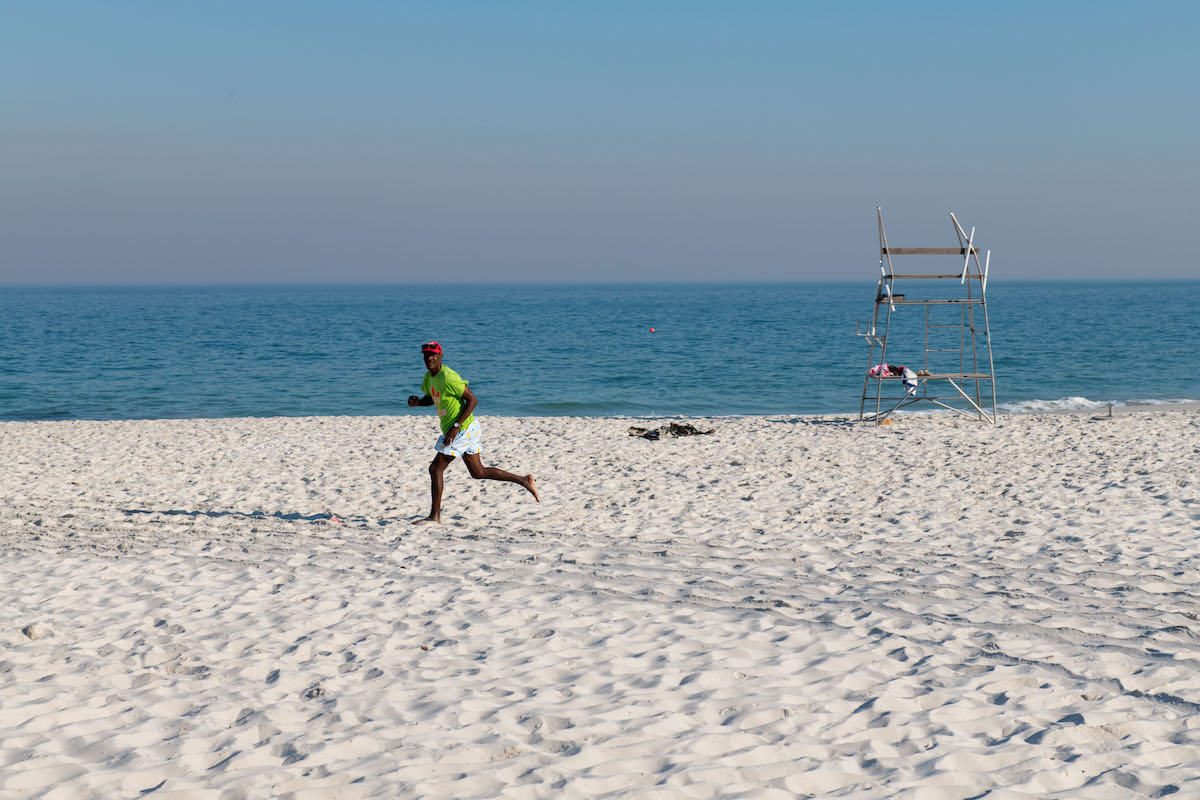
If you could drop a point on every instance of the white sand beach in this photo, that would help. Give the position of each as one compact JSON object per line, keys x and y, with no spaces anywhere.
{"x":790,"y":607}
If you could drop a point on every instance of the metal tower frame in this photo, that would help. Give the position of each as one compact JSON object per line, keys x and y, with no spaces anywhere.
{"x":969,"y":367}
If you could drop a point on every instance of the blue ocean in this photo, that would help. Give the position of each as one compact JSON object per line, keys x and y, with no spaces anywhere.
{"x":715,"y":349}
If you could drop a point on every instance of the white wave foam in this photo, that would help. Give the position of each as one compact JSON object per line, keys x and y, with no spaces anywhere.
{"x":1041,"y":406}
{"x":1155,"y":402}
{"x":1080,"y":404}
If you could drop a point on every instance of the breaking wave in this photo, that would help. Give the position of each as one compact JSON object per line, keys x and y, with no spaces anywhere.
{"x":1080,"y":404}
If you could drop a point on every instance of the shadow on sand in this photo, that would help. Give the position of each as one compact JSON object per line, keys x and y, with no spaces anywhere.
{"x":263,"y":515}
{"x":820,"y":423}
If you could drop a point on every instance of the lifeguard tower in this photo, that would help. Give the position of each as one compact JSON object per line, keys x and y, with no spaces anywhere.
{"x":954,"y":310}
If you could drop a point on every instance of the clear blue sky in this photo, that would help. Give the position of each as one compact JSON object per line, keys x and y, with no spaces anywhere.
{"x":229,"y":142}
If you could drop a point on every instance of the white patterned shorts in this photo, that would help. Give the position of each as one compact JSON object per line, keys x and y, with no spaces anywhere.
{"x":467,"y":442}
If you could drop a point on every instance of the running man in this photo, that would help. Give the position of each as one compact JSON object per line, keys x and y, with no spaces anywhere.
{"x":460,"y":432}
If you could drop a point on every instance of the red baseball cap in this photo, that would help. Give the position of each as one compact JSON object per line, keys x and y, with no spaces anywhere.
{"x":431,"y":347}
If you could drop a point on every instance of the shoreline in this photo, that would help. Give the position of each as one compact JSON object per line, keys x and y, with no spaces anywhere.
{"x":790,"y":605}
{"x":1100,"y":409}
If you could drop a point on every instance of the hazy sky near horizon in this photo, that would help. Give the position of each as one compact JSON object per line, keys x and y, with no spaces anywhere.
{"x":259,"y":142}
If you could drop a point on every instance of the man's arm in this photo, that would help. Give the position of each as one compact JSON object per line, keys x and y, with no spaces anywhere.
{"x":413,"y":400}
{"x":469,"y":403}
{"x":469,"y":407}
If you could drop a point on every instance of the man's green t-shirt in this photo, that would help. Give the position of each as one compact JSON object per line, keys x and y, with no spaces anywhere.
{"x":446,"y":388}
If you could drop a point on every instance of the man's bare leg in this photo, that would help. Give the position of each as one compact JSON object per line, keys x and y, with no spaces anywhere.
{"x":437,"y":468}
{"x":480,"y":472}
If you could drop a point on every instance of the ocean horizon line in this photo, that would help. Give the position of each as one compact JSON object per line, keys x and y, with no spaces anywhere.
{"x":866,"y":279}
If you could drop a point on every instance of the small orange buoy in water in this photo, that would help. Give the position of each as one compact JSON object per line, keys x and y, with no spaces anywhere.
{"x":652,"y":330}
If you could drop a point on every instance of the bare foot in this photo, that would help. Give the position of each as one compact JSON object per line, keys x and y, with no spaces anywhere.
{"x":437,"y":520}
{"x":532,"y":489}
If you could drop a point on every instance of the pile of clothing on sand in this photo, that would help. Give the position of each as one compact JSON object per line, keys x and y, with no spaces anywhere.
{"x":669,"y":431}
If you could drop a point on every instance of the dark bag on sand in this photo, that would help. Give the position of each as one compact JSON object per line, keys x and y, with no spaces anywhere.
{"x":669,"y":431}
